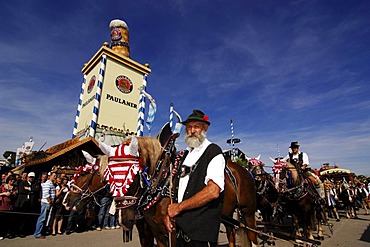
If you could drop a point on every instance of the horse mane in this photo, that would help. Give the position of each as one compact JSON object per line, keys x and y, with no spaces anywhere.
{"x":295,"y":175}
{"x":103,"y":165}
{"x":150,"y":150}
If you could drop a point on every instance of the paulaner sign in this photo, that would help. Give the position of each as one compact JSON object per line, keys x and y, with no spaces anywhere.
{"x":121,"y":101}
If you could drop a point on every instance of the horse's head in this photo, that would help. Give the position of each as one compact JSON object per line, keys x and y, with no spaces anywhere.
{"x":87,"y":182}
{"x":145,"y":150}
{"x":255,"y":166}
{"x":286,"y":175}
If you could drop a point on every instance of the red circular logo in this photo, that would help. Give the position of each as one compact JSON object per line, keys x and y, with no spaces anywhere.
{"x":115,"y":34}
{"x":124,"y":84}
{"x":91,"y":84}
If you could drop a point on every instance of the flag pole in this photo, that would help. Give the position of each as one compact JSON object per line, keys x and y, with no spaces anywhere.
{"x":171,"y":116}
{"x":141,"y":113}
{"x":232,"y":137}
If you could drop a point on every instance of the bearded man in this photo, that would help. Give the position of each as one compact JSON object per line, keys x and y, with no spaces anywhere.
{"x":199,"y":190}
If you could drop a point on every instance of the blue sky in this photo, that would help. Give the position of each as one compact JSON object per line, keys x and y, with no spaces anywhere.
{"x":282,"y":70}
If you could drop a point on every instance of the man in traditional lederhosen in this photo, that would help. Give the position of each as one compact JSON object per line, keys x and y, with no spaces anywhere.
{"x":301,"y":162}
{"x":199,"y":191}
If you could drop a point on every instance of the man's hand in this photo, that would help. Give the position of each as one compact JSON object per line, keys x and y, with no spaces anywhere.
{"x":173,"y":210}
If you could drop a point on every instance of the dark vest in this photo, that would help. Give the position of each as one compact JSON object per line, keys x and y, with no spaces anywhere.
{"x":201,"y":224}
{"x":298,"y":163}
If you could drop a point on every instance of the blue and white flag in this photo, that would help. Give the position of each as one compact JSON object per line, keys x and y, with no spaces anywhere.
{"x":178,"y":125}
{"x":24,"y":150}
{"x":176,"y":128}
{"x":18,"y":156}
{"x":152,"y":110}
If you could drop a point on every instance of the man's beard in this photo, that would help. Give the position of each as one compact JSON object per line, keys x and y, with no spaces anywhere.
{"x":195,"y":140}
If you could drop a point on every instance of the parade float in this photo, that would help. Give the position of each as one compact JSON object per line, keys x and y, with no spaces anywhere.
{"x":335,"y":173}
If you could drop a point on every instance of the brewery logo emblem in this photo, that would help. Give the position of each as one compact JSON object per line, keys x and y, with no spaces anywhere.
{"x":115,"y":34}
{"x":91,"y":84}
{"x":124,"y":84}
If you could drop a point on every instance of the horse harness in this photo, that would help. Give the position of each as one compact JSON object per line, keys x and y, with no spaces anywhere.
{"x":88,"y":192}
{"x":264,"y":187}
{"x":159,"y":184}
{"x":122,"y":202}
{"x":230,"y":174}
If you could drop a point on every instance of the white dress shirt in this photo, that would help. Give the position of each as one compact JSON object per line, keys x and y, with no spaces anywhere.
{"x":304,"y":157}
{"x":215,"y":170}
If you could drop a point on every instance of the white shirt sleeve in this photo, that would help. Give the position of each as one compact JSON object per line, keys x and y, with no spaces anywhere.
{"x":216,"y":171}
{"x":305,"y":159}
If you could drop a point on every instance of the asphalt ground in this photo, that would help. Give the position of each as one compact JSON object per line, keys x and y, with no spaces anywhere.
{"x":347,"y":232}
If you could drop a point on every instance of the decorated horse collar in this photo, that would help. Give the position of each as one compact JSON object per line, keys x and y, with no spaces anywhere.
{"x":86,"y":168}
{"x":279,"y":165}
{"x":255,"y":162}
{"x":122,"y":154}
{"x":122,"y":168}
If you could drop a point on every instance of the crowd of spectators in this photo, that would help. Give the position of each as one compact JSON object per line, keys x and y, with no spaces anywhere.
{"x":31,"y":204}
{"x":350,"y":196}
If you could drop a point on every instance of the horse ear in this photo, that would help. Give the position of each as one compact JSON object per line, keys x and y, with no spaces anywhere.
{"x":274,"y":161}
{"x":247,"y":157}
{"x":285,"y":159}
{"x":88,"y":157}
{"x":258,"y":157}
{"x":133,"y":148}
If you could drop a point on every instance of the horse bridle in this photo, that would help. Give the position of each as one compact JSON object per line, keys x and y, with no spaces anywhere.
{"x":294,"y":193}
{"x":85,"y":194}
{"x":160,"y":181}
{"x":129,"y":201}
{"x":265,"y":182}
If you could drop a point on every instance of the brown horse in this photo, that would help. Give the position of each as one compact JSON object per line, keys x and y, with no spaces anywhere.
{"x":239,"y":194}
{"x":242,"y":198}
{"x":267,"y":194}
{"x":298,"y":197}
{"x":89,"y":183}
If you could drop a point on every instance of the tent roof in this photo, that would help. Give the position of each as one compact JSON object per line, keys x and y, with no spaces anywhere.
{"x":56,"y":153}
{"x":335,"y":171}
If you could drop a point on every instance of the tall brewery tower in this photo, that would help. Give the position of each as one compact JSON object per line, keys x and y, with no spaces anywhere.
{"x":110,"y":100}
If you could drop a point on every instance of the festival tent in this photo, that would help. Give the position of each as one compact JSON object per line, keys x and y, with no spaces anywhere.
{"x":62,"y":158}
{"x":334,"y":171}
{"x":337,"y":174}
